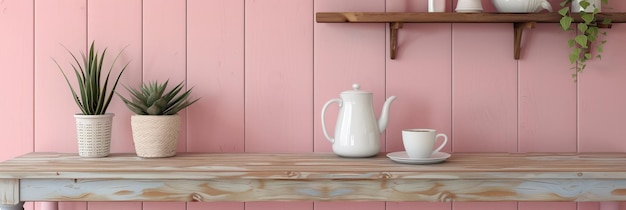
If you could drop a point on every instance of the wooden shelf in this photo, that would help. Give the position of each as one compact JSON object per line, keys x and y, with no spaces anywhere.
{"x":243,"y":177}
{"x":395,"y":20}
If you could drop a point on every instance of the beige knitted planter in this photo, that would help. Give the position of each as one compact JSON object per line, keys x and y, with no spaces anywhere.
{"x":155,"y":135}
{"x":94,"y":134}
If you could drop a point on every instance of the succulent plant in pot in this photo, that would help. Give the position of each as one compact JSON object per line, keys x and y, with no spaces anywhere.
{"x":156,"y":125}
{"x":93,"y":96}
{"x":588,"y":32}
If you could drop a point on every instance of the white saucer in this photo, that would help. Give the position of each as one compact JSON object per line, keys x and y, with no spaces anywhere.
{"x":402,"y":157}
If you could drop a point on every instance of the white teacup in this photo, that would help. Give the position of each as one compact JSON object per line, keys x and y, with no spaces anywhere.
{"x":420,"y":143}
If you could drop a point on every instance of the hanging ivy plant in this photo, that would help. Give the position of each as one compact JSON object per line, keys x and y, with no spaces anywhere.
{"x":587,"y":34}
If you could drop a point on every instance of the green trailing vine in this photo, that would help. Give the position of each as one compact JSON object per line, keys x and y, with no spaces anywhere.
{"x":587,"y":36}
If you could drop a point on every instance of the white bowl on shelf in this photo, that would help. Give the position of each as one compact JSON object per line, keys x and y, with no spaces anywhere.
{"x":521,"y":6}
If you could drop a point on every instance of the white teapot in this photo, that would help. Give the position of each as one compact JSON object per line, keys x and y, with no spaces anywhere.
{"x":357,"y":133}
{"x":521,"y":6}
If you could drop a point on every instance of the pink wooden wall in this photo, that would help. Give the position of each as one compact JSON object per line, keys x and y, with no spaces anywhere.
{"x":264,"y":69}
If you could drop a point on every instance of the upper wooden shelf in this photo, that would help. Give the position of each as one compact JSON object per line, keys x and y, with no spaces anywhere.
{"x":396,"y":19}
{"x":448,"y":17}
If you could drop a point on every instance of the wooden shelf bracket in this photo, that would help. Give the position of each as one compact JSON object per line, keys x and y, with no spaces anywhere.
{"x":517,"y":41}
{"x":393,"y":39}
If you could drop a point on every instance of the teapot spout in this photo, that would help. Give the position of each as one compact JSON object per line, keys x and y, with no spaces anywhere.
{"x":384,"y":115}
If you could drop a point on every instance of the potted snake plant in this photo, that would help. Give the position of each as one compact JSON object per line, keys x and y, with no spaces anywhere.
{"x":588,"y":31}
{"x":156,"y":124}
{"x":93,"y":95}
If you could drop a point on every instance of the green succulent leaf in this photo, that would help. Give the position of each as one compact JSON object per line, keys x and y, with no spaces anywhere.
{"x":94,"y":92}
{"x":153,"y":98}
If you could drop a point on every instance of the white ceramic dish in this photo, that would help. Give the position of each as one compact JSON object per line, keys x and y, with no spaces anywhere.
{"x":402,"y":157}
{"x":521,"y":6}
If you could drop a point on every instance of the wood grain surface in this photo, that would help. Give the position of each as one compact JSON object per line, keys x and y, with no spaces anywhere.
{"x":317,"y":176}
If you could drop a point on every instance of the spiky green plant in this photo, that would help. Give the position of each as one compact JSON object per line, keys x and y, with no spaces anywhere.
{"x":152,"y":99}
{"x":95,"y":95}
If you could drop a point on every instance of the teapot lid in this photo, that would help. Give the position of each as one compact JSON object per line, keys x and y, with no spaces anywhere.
{"x":355,"y":90}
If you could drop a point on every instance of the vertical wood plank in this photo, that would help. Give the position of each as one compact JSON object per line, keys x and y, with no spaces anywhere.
{"x":342,"y":59}
{"x":215,"y":68}
{"x":56,"y":24}
{"x":113,"y":205}
{"x":215,"y":205}
{"x":418,"y":205}
{"x":164,"y":205}
{"x":547,"y":93}
{"x":547,"y":99}
{"x":601,"y":98}
{"x":116,"y":32}
{"x":484,"y":94}
{"x":72,"y":205}
{"x":278,"y":76}
{"x":484,"y":89}
{"x":16,"y":60}
{"x":164,"y":48}
{"x":412,"y":77}
{"x":422,"y":79}
{"x":349,"y":205}
{"x":483,"y":205}
{"x":547,"y":206}
{"x":17,"y":41}
{"x":279,"y":205}
{"x":278,"y":81}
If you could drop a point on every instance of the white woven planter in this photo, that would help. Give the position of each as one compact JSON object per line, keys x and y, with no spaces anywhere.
{"x":155,"y":135}
{"x":94,"y":134}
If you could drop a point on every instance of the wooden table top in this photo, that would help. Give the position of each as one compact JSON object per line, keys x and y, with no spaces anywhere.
{"x":315,"y":166}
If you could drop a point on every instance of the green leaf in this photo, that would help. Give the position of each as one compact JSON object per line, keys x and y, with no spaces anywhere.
{"x":599,"y":48}
{"x":573,"y":57}
{"x":584,"y":4}
{"x":168,"y":102}
{"x":563,"y":11}
{"x":581,"y":40}
{"x":571,"y":43}
{"x":93,"y":99}
{"x":566,"y":23}
{"x":582,"y":27}
{"x":587,"y":17}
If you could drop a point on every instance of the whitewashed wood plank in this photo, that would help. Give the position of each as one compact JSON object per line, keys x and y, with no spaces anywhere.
{"x":323,"y":190}
{"x":316,"y":166}
{"x":9,"y":191}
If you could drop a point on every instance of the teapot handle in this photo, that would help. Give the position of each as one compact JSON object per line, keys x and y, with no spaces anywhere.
{"x":336,"y":100}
